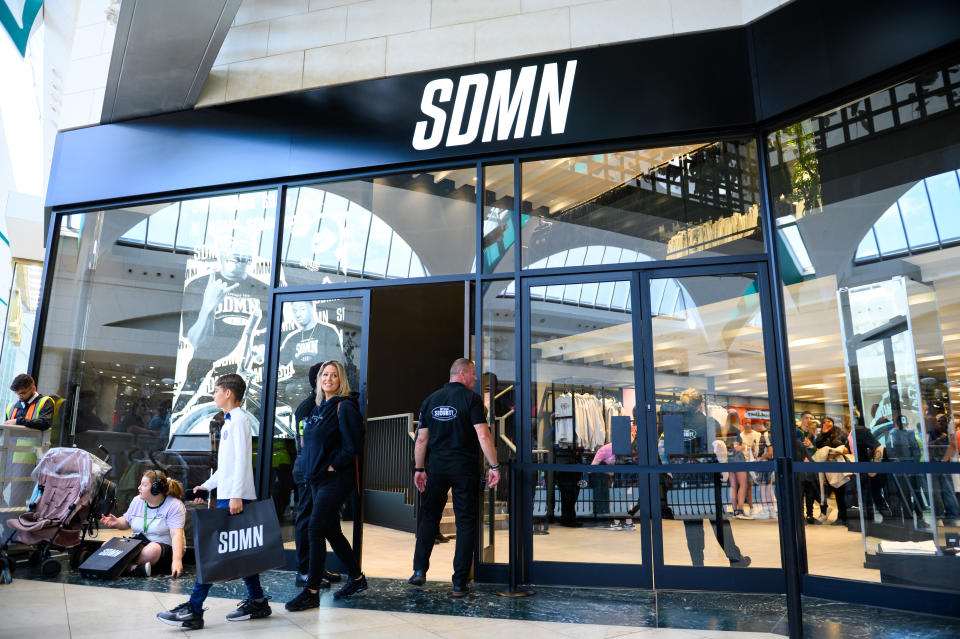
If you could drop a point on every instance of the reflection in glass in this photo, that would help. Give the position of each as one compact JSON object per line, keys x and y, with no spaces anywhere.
{"x":583,"y":391}
{"x":711,"y":384}
{"x":311,"y":332}
{"x":874,"y":344}
{"x":390,"y":227}
{"x":604,"y":531}
{"x":666,"y":203}
{"x":700,"y":529}
{"x":498,"y":375}
{"x":499,"y":236}
{"x":149,"y":305}
{"x":906,"y":531}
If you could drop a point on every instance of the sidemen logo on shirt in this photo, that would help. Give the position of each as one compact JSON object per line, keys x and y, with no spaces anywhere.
{"x":444,"y":413}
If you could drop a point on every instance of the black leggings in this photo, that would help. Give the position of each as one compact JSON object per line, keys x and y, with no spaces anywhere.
{"x":328,"y":495}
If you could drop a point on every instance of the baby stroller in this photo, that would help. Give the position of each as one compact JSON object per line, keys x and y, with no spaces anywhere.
{"x":70,"y":496}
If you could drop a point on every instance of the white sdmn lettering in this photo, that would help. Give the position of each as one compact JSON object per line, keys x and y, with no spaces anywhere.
{"x":506,"y":111}
{"x":244,"y":539}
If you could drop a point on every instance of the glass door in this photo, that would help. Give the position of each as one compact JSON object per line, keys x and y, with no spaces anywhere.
{"x":711,"y":428}
{"x":310,"y":329}
{"x":586,"y":508}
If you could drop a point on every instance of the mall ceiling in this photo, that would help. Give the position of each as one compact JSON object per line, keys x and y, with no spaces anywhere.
{"x":162,"y":55}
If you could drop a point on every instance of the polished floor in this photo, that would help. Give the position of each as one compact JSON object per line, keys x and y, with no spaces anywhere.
{"x":71,"y":606}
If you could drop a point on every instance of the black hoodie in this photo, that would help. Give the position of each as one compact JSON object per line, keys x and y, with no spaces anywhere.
{"x":332,"y":436}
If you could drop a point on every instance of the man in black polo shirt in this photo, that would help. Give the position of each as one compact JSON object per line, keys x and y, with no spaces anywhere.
{"x":453,"y":425}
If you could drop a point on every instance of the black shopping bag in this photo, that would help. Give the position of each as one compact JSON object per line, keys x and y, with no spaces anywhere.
{"x":112,"y":558}
{"x":233,"y":546}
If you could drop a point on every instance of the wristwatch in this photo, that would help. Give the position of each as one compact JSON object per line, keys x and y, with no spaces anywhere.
{"x":495,"y":467}
{"x":419,"y":470}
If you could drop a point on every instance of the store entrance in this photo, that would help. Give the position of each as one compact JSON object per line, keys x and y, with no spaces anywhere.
{"x":634,"y":378}
{"x":397,"y":344}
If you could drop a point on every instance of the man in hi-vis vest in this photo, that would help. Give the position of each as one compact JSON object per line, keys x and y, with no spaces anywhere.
{"x":33,"y":410}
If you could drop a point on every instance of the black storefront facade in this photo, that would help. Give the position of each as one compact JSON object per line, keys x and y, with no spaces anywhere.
{"x":654,"y":218}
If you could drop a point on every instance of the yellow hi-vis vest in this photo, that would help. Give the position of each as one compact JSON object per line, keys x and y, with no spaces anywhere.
{"x":23,"y":457}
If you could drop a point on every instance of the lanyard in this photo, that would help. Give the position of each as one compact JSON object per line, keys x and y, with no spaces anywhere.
{"x":146,"y":524}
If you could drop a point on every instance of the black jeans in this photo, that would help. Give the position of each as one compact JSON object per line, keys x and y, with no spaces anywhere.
{"x":301,"y":534}
{"x":466,"y":509}
{"x":328,"y":494}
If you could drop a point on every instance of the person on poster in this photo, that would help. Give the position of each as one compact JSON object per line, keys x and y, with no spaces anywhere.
{"x":453,"y":426}
{"x":219,"y":337}
{"x":312,"y":342}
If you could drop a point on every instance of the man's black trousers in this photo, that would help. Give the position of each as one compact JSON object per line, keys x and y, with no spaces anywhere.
{"x":466,"y":509}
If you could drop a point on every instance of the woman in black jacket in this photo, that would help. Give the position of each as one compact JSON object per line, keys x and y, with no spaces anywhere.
{"x":832,"y":436}
{"x":332,"y":442}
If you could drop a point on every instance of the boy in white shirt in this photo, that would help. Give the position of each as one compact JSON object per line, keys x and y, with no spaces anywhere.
{"x":233,"y":480}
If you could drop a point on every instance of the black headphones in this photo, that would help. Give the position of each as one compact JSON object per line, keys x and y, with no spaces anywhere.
{"x":159,"y":485}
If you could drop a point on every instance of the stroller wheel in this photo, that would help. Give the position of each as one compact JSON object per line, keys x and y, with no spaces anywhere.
{"x":50,"y":568}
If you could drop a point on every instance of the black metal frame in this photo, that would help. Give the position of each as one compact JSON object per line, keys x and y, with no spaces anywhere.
{"x":270,"y":374}
{"x":793,"y":547}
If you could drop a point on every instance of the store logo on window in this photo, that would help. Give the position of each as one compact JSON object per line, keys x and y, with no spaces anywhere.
{"x":503,"y":110}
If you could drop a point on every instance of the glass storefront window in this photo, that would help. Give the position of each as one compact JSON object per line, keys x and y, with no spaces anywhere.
{"x":696,"y":200}
{"x":391,"y":227}
{"x":902,"y":530}
{"x":867,"y":201}
{"x":499,"y":236}
{"x":149,"y":305}
{"x":21,"y":313}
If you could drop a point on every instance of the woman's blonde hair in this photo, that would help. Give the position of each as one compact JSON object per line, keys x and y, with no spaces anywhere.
{"x":174,"y":488}
{"x":344,"y":389}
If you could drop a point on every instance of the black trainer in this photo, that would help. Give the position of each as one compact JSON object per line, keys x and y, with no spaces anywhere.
{"x":461,"y":591}
{"x":250,"y":609}
{"x":352,"y":586}
{"x":182,"y":616}
{"x":418,"y":578}
{"x":304,"y":601}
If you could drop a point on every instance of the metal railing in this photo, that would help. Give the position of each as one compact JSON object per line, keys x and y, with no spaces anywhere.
{"x":389,"y":455}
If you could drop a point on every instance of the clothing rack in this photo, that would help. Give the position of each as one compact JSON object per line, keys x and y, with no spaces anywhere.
{"x":574,"y":388}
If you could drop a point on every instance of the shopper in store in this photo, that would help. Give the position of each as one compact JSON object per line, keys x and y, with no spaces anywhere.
{"x":738,"y":479}
{"x":803,"y":450}
{"x":332,"y":443}
{"x":869,"y":449}
{"x":942,"y":449}
{"x":453,"y":427}
{"x":833,"y":438}
{"x":156,"y":515}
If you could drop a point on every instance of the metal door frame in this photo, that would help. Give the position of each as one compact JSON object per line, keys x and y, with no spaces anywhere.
{"x":329,"y":292}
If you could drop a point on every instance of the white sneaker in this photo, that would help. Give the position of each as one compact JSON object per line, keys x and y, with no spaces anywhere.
{"x":747,"y":510}
{"x":761,"y":514}
{"x":614,"y":526}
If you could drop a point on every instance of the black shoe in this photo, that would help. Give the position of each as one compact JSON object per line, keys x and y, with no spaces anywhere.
{"x":352,"y":586}
{"x":142,"y":570}
{"x":440,"y":539}
{"x":304,"y":601}
{"x":742,"y":563}
{"x":250,"y":609}
{"x":301,"y":579}
{"x":418,"y":578}
{"x":331,"y":577}
{"x":461,"y":591}
{"x":182,"y":616}
{"x":813,"y":521}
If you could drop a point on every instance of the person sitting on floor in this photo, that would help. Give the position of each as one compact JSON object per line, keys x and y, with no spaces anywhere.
{"x":156,"y":516}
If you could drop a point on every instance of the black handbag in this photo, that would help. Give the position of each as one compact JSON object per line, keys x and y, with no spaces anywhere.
{"x":233,"y":546}
{"x":112,"y":558}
